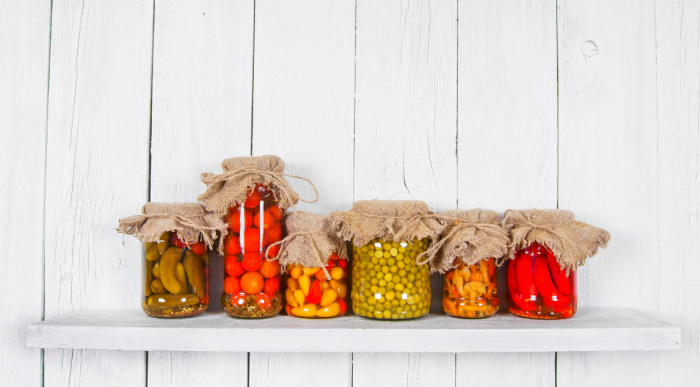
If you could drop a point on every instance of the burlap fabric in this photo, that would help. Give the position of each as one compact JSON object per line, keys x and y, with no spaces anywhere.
{"x":191,"y":221}
{"x":470,"y":236}
{"x":310,"y":241}
{"x":571,"y":242}
{"x":240,"y":176}
{"x":396,"y":221}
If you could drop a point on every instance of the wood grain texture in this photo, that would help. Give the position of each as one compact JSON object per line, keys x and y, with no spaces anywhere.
{"x":97,"y":172}
{"x":24,"y":61}
{"x":405,"y":137}
{"x":608,"y":168}
{"x":300,"y":369}
{"x":507,"y":139}
{"x":202,"y":88}
{"x":678,"y":101}
{"x":303,"y":112}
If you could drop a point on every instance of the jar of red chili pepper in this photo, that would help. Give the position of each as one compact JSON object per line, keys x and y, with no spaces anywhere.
{"x":317,"y":268}
{"x":252,"y":195}
{"x":467,"y":252}
{"x":547,"y":248}
{"x":177,"y":239}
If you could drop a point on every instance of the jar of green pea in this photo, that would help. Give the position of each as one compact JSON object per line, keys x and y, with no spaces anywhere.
{"x":387,"y":239}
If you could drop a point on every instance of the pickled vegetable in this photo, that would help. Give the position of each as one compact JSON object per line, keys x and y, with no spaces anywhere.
{"x":387,"y":283}
{"x":310,"y":294}
{"x":174,"y":286}
{"x":253,"y":282}
{"x":538,"y":287}
{"x":470,"y":291}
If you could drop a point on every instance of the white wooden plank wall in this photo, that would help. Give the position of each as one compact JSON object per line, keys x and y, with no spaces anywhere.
{"x":303,"y":111}
{"x":405,"y":138}
{"x":592,"y":106}
{"x":24,"y":35}
{"x":200,"y":116}
{"x":97,"y":147}
{"x":507,"y":141}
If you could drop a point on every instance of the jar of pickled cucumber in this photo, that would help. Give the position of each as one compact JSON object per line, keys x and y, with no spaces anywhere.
{"x":548,"y":247}
{"x":388,"y":282}
{"x":252,"y":195}
{"x":466,"y":253}
{"x":175,"y":262}
{"x":317,"y":268}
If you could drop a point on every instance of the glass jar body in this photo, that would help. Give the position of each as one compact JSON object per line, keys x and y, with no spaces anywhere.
{"x":251,"y":282}
{"x":470,"y":290}
{"x":387,"y":283}
{"x":311,"y":294}
{"x":538,"y":287}
{"x":175,"y":277}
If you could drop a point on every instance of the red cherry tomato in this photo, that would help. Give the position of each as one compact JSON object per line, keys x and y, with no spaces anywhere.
{"x":233,"y":245}
{"x":253,"y":199}
{"x":252,"y":261}
{"x":264,"y":301}
{"x":234,"y":220}
{"x":198,"y":248}
{"x":232,"y":285}
{"x":233,"y":267}
{"x":262,"y":190}
{"x":176,"y":241}
{"x":273,"y":235}
{"x":334,"y":257}
{"x":321,"y":276}
{"x":272,"y":251}
{"x":272,"y":285}
{"x":238,"y":299}
{"x":251,"y":240}
{"x":343,"y":263}
{"x":266,"y":223}
{"x":276,"y":212}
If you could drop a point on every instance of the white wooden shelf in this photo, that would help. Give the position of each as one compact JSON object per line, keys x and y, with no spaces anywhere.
{"x":595,"y":329}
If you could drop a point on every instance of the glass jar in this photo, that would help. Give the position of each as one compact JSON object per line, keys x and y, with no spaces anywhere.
{"x":470,"y":291}
{"x":310,"y":294}
{"x":175,"y":277}
{"x":387,"y":283}
{"x":251,"y":282}
{"x":538,"y":287}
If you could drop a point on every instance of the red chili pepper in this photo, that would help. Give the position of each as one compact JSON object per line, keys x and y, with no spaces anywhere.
{"x":314,"y":296}
{"x":543,"y":281}
{"x":513,"y":286}
{"x":343,"y":306}
{"x":176,"y":241}
{"x":526,"y":281}
{"x":561,"y":280}
{"x":455,"y":292}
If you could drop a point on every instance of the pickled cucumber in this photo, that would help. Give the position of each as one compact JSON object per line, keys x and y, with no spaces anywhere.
{"x":180,"y":274}
{"x":157,"y":287}
{"x":164,"y":242}
{"x":387,"y":283}
{"x":195,"y":273}
{"x":168,"y":269}
{"x":172,"y":300}
{"x":152,"y":253}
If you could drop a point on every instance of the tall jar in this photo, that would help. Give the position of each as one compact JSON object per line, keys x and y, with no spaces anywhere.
{"x":467,"y":253}
{"x":317,"y":268}
{"x":252,"y":195}
{"x":547,"y":248}
{"x":388,"y":281}
{"x":175,"y":262}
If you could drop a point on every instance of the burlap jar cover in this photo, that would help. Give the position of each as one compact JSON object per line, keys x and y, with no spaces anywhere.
{"x":239,"y":177}
{"x":190,"y":220}
{"x":572,"y":242}
{"x":389,"y":220}
{"x":310,"y":241}
{"x":470,"y":236}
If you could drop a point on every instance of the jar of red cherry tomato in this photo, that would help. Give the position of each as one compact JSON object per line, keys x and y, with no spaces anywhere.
{"x":252,"y":195}
{"x":467,"y":254}
{"x":177,"y":240}
{"x":317,"y":268}
{"x":547,"y":248}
